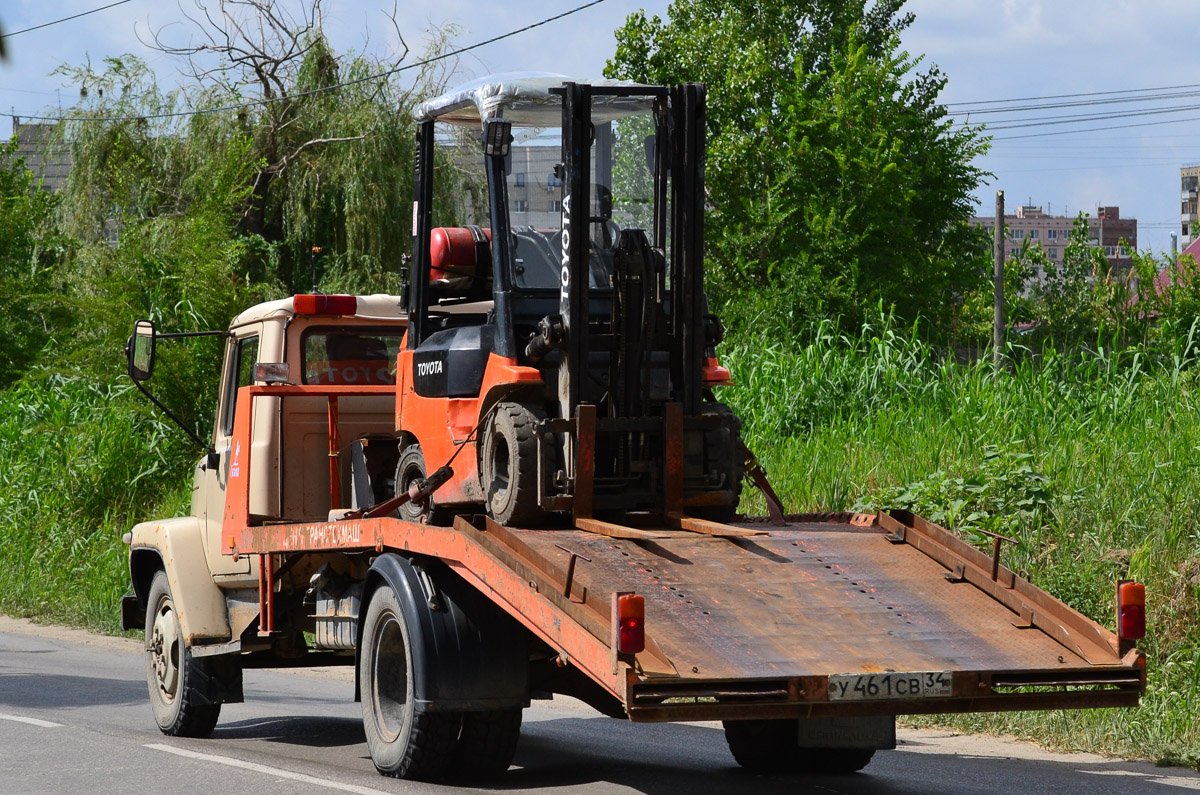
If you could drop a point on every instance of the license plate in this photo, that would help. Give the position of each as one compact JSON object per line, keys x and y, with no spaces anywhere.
{"x":890,"y":686}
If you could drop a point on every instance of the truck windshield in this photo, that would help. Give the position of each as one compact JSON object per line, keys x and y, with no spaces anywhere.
{"x":350,"y":356}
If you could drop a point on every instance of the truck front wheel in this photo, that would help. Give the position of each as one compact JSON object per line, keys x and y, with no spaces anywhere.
{"x":174,"y":677}
{"x":404,"y":743}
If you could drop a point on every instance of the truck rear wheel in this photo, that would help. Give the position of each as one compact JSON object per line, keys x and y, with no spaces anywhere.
{"x":487,"y":743}
{"x":173,"y":675}
{"x":403,"y":742}
{"x":770,"y":745}
{"x":509,"y":466}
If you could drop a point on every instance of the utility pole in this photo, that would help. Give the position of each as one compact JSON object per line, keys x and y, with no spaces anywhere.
{"x":998,"y":278}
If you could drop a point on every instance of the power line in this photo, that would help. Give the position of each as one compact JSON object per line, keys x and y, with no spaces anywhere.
{"x":1074,"y":96}
{"x":64,"y":19}
{"x":1080,"y":104}
{"x":1047,"y":121}
{"x":1096,"y":129}
{"x":321,"y":90}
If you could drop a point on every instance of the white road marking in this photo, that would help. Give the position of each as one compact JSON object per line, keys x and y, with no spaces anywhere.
{"x":1184,"y":782}
{"x":264,"y":769}
{"x":45,"y":724}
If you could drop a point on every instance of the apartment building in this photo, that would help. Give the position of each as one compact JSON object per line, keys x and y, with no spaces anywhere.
{"x":534,"y":192}
{"x":1189,"y":186}
{"x":1106,"y":228}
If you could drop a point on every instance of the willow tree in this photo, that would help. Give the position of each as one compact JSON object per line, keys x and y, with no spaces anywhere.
{"x":195,"y":202}
{"x":278,"y":141}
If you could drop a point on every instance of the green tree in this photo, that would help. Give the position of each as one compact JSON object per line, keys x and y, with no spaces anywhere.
{"x":1069,"y":292}
{"x":31,"y":253}
{"x":836,"y":181}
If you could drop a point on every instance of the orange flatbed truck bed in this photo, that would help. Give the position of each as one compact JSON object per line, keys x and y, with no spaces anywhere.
{"x":830,"y":615}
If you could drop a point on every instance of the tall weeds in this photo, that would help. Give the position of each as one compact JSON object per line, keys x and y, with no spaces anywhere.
{"x":79,"y":463}
{"x":1090,"y":459}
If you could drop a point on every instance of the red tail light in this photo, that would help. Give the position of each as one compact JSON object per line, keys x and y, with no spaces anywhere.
{"x":316,"y":304}
{"x":1131,"y":611}
{"x":631,"y":624}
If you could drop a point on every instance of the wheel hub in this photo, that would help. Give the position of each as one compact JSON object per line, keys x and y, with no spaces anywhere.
{"x":164,"y":650}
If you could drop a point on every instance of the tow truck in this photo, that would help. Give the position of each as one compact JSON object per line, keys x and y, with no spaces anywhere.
{"x":516,"y":480}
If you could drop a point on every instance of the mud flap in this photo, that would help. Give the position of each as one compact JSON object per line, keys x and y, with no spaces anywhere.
{"x":133,"y":613}
{"x":468,"y":655}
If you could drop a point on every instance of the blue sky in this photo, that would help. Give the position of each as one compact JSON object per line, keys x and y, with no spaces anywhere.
{"x":989,"y":49}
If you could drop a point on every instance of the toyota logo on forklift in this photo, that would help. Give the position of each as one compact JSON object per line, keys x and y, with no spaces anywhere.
{"x":566,"y":251}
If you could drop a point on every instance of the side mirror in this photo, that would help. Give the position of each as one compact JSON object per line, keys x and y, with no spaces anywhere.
{"x":140,"y":350}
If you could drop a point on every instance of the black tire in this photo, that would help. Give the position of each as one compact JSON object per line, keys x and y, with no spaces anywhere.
{"x":508,"y":465}
{"x":487,"y":743}
{"x":770,"y":746}
{"x":836,"y":761}
{"x":723,"y":449}
{"x":174,"y":677}
{"x":403,"y":742}
{"x":409,"y":468}
{"x":764,"y":745}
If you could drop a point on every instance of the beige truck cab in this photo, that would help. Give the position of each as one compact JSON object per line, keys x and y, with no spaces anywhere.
{"x":195,"y":601}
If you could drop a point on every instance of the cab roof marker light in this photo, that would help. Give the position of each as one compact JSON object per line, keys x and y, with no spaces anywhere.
{"x":272,"y":372}
{"x":320,"y":304}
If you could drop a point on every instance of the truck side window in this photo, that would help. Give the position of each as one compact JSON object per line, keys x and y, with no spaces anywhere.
{"x":244,"y":359}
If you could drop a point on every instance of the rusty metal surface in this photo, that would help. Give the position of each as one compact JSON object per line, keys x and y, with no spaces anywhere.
{"x":815,"y":598}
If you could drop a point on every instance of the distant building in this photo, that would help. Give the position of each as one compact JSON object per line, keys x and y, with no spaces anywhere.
{"x":1189,"y":186}
{"x":46,"y":156}
{"x":1107,"y":228}
{"x":534,"y":192}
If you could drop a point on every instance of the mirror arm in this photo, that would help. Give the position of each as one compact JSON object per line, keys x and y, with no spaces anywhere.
{"x":195,"y":437}
{"x":174,"y":335}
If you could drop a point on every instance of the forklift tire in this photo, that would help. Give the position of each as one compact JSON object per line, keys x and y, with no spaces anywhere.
{"x":509,"y":465}
{"x":404,"y":742}
{"x":486,"y":744}
{"x":770,"y":746}
{"x":722,"y":448}
{"x":409,"y":468}
{"x":175,"y":678}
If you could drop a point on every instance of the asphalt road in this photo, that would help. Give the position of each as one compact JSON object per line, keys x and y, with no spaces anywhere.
{"x":74,"y":718}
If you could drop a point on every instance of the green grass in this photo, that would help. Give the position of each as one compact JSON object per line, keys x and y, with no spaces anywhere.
{"x":79,"y":465}
{"x":1091,"y":461}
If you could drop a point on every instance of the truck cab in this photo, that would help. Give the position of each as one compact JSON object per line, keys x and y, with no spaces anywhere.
{"x":295,"y":473}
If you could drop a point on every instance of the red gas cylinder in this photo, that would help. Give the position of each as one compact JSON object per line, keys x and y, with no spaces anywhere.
{"x":453,"y":253}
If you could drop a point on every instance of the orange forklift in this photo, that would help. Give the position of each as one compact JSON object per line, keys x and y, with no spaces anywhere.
{"x":579,"y":358}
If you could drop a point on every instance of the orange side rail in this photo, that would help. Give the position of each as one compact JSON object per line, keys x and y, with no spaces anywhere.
{"x":471,"y":561}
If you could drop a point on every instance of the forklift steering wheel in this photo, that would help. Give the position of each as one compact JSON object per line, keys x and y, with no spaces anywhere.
{"x":611,"y":230}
